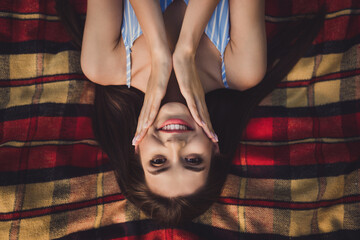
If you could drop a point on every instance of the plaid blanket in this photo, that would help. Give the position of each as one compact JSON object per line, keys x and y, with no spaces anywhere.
{"x":295,"y":175}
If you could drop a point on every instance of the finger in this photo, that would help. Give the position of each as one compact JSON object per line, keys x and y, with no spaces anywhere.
{"x":140,"y":122}
{"x":140,"y":132}
{"x":137,"y":133}
{"x":204,"y":114}
{"x":202,"y":121}
{"x":194,"y":111}
{"x":141,"y":117}
{"x":147,"y":119}
{"x":153,"y":113}
{"x":212,"y":135}
{"x":139,"y":136}
{"x":209,"y":132}
{"x":138,"y":127}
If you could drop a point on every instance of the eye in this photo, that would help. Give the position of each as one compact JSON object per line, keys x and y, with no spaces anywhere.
{"x":157,"y":162}
{"x":193,"y":160}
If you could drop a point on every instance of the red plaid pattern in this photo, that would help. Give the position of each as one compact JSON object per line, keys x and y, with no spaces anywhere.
{"x":295,"y":175}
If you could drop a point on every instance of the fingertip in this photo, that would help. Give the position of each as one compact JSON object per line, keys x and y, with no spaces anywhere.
{"x":142,"y":134}
{"x":214,"y":137}
{"x":135,"y":140}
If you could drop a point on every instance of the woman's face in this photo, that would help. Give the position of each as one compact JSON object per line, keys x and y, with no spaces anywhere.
{"x":175,"y":153}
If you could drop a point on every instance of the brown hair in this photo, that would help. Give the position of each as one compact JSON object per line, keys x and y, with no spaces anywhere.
{"x":114,"y":122}
{"x":116,"y":110}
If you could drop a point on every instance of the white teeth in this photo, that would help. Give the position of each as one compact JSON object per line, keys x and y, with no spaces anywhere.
{"x":175,"y":127}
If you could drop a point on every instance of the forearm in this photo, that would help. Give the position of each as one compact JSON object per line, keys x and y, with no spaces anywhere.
{"x":101,"y":36}
{"x":149,"y":15}
{"x":197,"y":15}
{"x":152,"y":24}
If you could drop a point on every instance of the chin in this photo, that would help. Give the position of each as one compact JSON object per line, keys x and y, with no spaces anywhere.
{"x":174,"y":107}
{"x":167,"y":100}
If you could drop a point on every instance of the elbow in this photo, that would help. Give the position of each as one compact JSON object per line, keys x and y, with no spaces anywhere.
{"x":90,"y":70}
{"x":94,"y":73}
{"x":252,"y":81}
{"x":247,"y":80}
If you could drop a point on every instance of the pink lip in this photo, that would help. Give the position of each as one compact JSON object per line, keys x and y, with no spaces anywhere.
{"x":175,"y":121}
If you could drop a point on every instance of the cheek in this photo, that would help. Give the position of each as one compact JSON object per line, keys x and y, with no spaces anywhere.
{"x":143,"y":144}
{"x":145,"y":148}
{"x":204,"y":143}
{"x":203,"y":137}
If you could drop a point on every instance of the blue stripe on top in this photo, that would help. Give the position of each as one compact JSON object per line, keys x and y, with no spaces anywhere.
{"x":217,"y":30}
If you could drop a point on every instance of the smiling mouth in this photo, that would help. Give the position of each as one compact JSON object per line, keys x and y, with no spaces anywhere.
{"x":175,"y":125}
{"x":175,"y":128}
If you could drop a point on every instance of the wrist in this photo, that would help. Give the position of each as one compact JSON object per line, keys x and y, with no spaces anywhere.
{"x":159,"y":49}
{"x":186,"y":49}
{"x":160,"y":56}
{"x":184,"y":54}
{"x":161,"y":66}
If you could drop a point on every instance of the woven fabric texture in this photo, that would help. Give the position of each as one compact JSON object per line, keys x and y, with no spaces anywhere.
{"x":295,"y":175}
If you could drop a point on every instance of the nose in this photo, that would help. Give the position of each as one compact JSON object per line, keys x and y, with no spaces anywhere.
{"x":178,"y":142}
{"x":175,"y":145}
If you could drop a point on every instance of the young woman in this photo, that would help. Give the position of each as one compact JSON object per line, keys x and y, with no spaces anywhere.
{"x":193,"y":40}
{"x":177,"y":169}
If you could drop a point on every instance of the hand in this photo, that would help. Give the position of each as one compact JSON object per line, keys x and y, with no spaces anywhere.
{"x":155,"y":91}
{"x":192,"y":90}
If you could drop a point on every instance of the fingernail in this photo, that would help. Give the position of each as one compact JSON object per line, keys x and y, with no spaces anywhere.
{"x":215,"y":137}
{"x":134,"y":140}
{"x":203,"y":123}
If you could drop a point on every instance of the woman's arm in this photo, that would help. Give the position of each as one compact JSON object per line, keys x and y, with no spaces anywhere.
{"x":197,"y":15}
{"x":152,"y":25}
{"x":100,"y":54}
{"x":245,"y":56}
{"x":149,"y":15}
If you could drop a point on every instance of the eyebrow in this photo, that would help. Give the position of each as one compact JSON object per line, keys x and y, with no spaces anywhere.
{"x":191,"y":168}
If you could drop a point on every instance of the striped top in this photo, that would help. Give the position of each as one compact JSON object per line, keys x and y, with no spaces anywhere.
{"x":217,"y":30}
